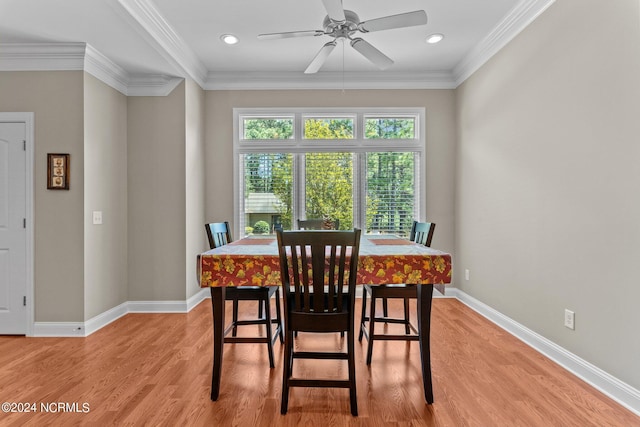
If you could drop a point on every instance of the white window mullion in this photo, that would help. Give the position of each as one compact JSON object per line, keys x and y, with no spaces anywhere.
{"x":419,"y":179}
{"x":298,"y":174}
{"x":358,"y":131}
{"x":359,"y":190}
{"x":298,"y":127}
{"x":238,"y":195}
{"x":298,"y":190}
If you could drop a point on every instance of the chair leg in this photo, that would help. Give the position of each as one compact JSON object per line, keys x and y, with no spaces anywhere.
{"x":235,"y":318}
{"x":352,"y":372}
{"x":286,"y":371}
{"x":260,"y":315}
{"x":363,"y":315}
{"x":385,"y":308}
{"x":406,"y":316}
{"x":267,"y":324}
{"x":372,"y":322}
{"x":279,"y":317}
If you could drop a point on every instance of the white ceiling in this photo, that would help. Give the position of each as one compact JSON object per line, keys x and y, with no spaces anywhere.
{"x":182,"y":38}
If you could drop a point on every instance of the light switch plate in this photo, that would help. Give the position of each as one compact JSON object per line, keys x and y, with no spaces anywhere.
{"x":569,"y":319}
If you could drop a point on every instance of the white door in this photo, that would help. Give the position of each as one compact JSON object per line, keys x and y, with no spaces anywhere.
{"x":13,"y":238}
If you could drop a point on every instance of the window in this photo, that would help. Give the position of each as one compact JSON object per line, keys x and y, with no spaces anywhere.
{"x":390,"y":127}
{"x":267,"y":128}
{"x":328,"y":128}
{"x":390,"y":192}
{"x":358,"y":166}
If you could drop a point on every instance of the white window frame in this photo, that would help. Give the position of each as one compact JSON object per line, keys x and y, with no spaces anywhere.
{"x":298,"y":146}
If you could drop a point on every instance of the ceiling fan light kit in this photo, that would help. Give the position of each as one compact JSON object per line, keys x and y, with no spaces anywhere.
{"x":229,"y":39}
{"x":435,"y":38}
{"x":343,"y":24}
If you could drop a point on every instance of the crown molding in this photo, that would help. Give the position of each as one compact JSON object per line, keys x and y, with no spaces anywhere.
{"x":328,"y":80}
{"x":42,"y":56}
{"x":105,"y":70}
{"x":82,"y":57}
{"x":144,"y":15}
{"x":523,"y":14}
{"x":152,"y":85}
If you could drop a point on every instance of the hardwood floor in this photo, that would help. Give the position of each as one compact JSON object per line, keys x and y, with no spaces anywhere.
{"x":155,"y":369}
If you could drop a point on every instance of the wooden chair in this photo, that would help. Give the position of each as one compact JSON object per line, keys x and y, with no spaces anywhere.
{"x":318,"y":224}
{"x":422,"y":233}
{"x":330,"y":259}
{"x":219,"y":234}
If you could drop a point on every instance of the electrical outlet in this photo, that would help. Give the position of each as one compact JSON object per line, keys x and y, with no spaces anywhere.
{"x":569,"y":319}
{"x":97,"y":217}
{"x":466,"y":274}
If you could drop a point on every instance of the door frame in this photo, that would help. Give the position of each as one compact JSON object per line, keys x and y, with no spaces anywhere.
{"x":28,"y":119}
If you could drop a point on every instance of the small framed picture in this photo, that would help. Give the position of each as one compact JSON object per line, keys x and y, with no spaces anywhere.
{"x":57,"y":171}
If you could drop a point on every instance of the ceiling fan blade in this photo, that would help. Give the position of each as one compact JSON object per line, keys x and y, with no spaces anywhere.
{"x":290,"y":34}
{"x":335,"y":10}
{"x":320,"y":58}
{"x":409,"y":19}
{"x":378,"y":58}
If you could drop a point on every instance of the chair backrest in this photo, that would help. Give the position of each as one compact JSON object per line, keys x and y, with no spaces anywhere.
{"x":319,"y":224}
{"x":219,"y":234}
{"x":422,"y":232}
{"x":318,"y":268}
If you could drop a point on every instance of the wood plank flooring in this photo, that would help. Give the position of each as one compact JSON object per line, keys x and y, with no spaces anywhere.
{"x":155,"y":369}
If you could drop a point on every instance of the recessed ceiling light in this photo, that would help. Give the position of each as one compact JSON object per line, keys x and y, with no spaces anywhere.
{"x":229,"y":39}
{"x":434,"y":38}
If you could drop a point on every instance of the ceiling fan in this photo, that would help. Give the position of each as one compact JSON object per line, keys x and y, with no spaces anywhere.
{"x":343,"y":24}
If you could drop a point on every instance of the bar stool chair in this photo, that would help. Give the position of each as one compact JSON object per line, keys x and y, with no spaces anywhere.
{"x":219,"y":234}
{"x":318,"y":271}
{"x":422,"y":233}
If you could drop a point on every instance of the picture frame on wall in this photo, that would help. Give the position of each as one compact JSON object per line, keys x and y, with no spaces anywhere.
{"x":57,"y":171}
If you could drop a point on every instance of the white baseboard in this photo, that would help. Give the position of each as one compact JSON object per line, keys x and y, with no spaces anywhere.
{"x":168,"y":306}
{"x":157,"y":306}
{"x":79,"y":329}
{"x":58,"y":329}
{"x":202,"y":295}
{"x":103,"y":319}
{"x":83,"y":329}
{"x":619,"y":391}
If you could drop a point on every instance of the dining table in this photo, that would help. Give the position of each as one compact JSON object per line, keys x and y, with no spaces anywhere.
{"x":383,"y":259}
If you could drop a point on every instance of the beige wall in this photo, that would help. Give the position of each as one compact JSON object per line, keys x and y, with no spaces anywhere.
{"x":156,"y":197}
{"x":105,"y":190}
{"x":128,"y":161}
{"x":196,"y":241}
{"x":440,"y":142}
{"x":547,"y":181}
{"x":56,"y":98}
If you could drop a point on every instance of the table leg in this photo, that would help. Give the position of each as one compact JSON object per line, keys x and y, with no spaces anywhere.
{"x":217,"y":305}
{"x":424,"y":327}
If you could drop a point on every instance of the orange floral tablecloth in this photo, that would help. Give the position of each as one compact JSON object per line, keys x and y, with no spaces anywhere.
{"x":249,"y":262}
